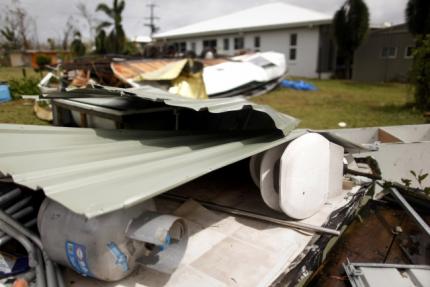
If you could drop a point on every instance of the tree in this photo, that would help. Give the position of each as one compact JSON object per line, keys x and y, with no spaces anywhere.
{"x":42,"y":61}
{"x":67,"y":32}
{"x":89,"y":18}
{"x":51,"y":44}
{"x":421,"y":74}
{"x":18,"y":26}
{"x":77,"y":47}
{"x":101,"y":42}
{"x":418,"y":21}
{"x":116,"y":39}
{"x":351,"y":23}
{"x":10,"y":37}
{"x":418,"y":17}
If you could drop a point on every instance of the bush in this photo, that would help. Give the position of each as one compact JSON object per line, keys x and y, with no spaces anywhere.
{"x":42,"y":61}
{"x":24,"y":86}
{"x":421,"y":73}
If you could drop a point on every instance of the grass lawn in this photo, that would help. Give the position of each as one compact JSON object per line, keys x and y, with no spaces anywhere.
{"x":19,"y":112}
{"x":356,"y":104}
{"x":8,"y":73}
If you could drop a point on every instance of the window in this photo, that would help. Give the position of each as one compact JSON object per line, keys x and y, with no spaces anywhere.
{"x":293,"y":39}
{"x":389,"y":52}
{"x":211,"y":43}
{"x":238,"y":43}
{"x":226,"y":44}
{"x":257,"y":42}
{"x":182,"y":47}
{"x":293,"y":47}
{"x":293,"y":54}
{"x":408,"y":52}
{"x":193,"y":46}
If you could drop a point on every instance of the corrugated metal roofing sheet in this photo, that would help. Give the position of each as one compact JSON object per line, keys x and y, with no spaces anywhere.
{"x":126,"y":70}
{"x":93,"y":172}
{"x":282,"y":122}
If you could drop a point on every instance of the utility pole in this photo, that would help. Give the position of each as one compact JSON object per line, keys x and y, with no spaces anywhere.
{"x":152,"y":19}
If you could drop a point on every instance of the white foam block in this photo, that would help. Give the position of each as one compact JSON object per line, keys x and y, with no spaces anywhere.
{"x":310,"y":171}
{"x":268,"y":186}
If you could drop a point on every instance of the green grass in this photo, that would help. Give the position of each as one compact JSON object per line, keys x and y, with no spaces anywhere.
{"x":19,"y":112}
{"x":9,"y":73}
{"x":357,"y":104}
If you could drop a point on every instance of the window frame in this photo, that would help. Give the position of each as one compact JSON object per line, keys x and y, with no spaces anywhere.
{"x":394,"y":56}
{"x":295,"y":37}
{"x":226,"y":44}
{"x":257,"y":42}
{"x":238,"y":40}
{"x":292,"y":51}
{"x":210,"y":41}
{"x":406,"y":56}
{"x":290,"y":54}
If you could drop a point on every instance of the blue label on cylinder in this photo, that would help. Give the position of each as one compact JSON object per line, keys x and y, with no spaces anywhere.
{"x":77,"y":256}
{"x":120,"y":258}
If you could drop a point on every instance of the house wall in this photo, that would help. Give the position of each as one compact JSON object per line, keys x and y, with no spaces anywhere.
{"x":371,"y":66}
{"x":307,"y":50}
{"x":17,"y":59}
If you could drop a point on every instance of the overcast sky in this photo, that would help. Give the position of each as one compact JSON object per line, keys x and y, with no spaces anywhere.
{"x":51,"y":15}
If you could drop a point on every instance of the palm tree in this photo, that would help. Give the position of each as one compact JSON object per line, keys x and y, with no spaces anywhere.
{"x":418,"y":17}
{"x":418,"y":20}
{"x":116,"y":39}
{"x":350,"y":23}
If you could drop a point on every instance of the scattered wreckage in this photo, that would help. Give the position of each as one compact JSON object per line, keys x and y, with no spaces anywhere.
{"x":249,"y":74}
{"x":140,"y":187}
{"x":167,"y":178}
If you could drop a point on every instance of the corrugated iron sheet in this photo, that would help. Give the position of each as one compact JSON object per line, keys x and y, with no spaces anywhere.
{"x":127,"y":70}
{"x":280,"y":121}
{"x":93,"y":172}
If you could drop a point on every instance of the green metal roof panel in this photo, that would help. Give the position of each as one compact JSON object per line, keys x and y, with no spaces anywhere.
{"x":92,"y":172}
{"x":279,"y":121}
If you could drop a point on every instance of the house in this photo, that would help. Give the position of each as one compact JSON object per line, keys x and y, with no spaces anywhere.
{"x":386,"y":55}
{"x":303,"y":35}
{"x":28,"y":58}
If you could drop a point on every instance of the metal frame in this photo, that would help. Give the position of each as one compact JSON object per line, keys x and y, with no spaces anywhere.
{"x":418,"y":219}
{"x":358,"y":278}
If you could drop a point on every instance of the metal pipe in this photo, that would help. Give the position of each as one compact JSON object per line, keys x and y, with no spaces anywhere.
{"x":418,"y":219}
{"x":22,"y":229}
{"x":23,"y":212}
{"x":247,"y":214}
{"x":51,"y":276}
{"x":50,"y":273}
{"x":34,"y":259}
{"x":20,"y":214}
{"x":10,"y":195}
{"x":60,"y":279}
{"x":6,"y":238}
{"x":17,"y":206}
{"x":41,"y":272}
